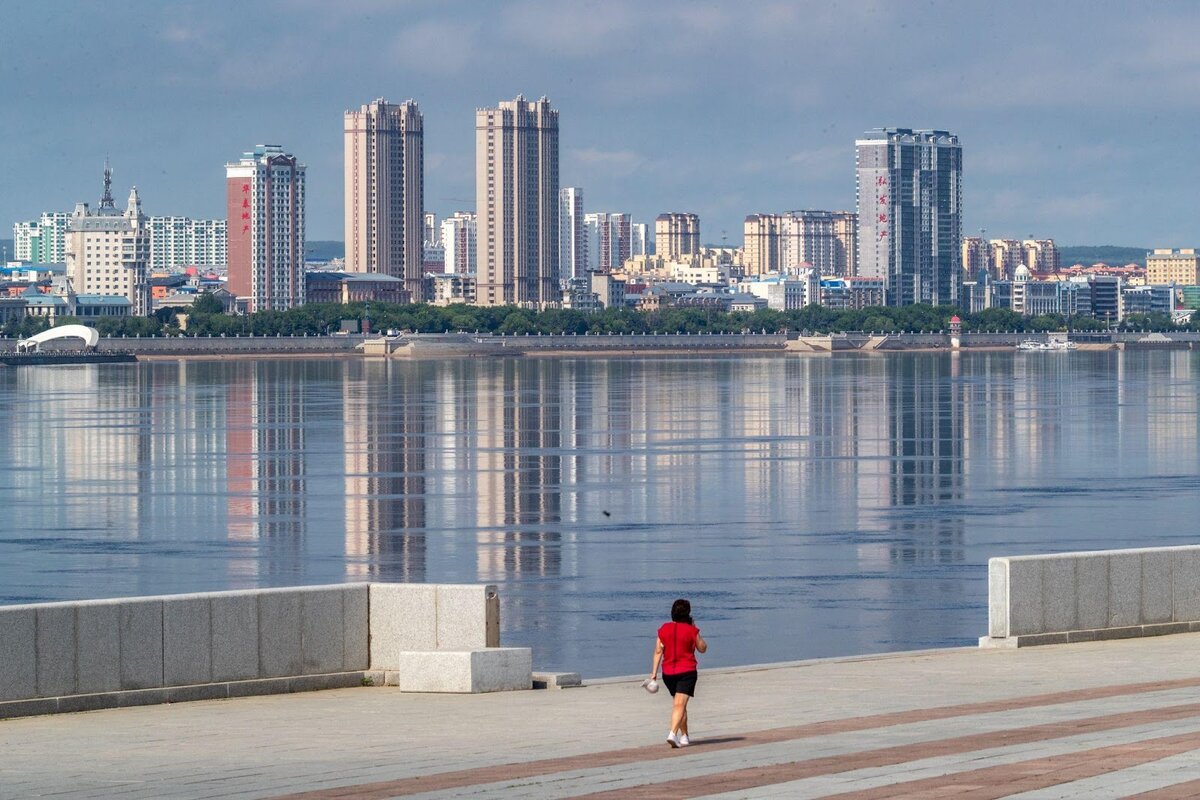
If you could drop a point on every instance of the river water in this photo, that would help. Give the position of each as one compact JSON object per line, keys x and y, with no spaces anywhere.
{"x":809,"y":506}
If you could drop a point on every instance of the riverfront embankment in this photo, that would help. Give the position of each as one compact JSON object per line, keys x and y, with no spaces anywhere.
{"x":1102,"y":719}
{"x":444,"y":345}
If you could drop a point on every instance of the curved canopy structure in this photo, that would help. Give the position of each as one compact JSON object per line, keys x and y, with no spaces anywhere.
{"x":90,"y":337}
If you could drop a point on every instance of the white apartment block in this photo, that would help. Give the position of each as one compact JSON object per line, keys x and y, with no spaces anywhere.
{"x":459,"y":240}
{"x":43,"y":241}
{"x":572,"y":237}
{"x":177,"y":242}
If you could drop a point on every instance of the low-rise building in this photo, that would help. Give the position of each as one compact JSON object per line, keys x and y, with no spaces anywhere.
{"x":90,"y":306}
{"x":11,"y":308}
{"x":353,"y":287}
{"x":451,"y":288}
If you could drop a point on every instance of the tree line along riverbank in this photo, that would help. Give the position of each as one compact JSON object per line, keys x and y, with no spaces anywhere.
{"x":206,"y":319}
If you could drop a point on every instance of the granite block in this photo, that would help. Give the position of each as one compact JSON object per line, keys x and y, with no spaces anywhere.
{"x":464,"y":671}
{"x":1024,"y":597}
{"x":204,"y":691}
{"x":187,"y":639}
{"x":259,"y":687}
{"x":462,"y":616}
{"x":501,"y":669}
{"x":998,"y":597}
{"x":141,"y":643}
{"x":355,"y":621}
{"x":1124,"y":589}
{"x":279,"y":637}
{"x":1185,"y":584}
{"x":98,"y":647}
{"x":55,"y":650}
{"x":1091,"y":591}
{"x":1058,"y":595}
{"x":556,"y":680}
{"x":28,"y":708}
{"x":234,"y":619}
{"x":88,"y":702}
{"x":321,"y":634}
{"x":1156,"y":587}
{"x":18,"y":653}
{"x":403,"y":616}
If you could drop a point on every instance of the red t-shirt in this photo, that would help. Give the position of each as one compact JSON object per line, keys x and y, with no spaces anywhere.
{"x":679,"y":647}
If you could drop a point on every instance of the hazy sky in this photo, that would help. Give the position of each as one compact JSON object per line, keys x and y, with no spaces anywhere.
{"x":1079,"y":120}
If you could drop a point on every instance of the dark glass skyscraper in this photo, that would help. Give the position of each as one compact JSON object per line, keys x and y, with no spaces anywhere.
{"x":909,"y":187}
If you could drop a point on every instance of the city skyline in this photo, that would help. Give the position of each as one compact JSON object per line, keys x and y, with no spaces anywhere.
{"x":631,"y":137}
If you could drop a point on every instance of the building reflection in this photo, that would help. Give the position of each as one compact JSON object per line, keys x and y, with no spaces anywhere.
{"x":266,"y":467}
{"x":386,"y":425}
{"x":519,"y":435}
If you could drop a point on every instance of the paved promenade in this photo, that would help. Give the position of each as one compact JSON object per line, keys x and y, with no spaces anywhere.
{"x":1101,"y":720}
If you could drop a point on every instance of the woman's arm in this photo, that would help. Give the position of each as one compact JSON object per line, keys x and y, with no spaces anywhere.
{"x":701,"y":645}
{"x":658,"y":656}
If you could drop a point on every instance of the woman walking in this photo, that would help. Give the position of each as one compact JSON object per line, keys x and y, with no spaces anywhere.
{"x":675,"y":651}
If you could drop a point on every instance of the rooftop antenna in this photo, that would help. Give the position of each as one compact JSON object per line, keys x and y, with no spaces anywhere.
{"x":107,"y":200}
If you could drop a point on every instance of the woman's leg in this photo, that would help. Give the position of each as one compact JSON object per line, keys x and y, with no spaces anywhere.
{"x":683,"y":724}
{"x":678,"y":711}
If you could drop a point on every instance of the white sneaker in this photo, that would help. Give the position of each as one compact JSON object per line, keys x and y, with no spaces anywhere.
{"x":683,"y":740}
{"x":671,"y":740}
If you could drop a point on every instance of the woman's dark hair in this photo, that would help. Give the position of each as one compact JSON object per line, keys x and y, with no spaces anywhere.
{"x":681,"y":611}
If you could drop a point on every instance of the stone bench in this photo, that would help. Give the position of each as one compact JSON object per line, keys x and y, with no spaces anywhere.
{"x":1088,"y":596}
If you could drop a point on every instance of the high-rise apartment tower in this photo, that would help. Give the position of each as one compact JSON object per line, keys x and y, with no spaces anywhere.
{"x":386,"y":227}
{"x":676,"y":235}
{"x":909,"y":186}
{"x":264,"y":193}
{"x":516,"y":202}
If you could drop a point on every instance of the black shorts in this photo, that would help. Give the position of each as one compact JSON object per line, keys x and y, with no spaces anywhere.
{"x":684,"y":682}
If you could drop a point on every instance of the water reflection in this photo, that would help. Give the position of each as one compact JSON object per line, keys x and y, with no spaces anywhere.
{"x":848,"y":501}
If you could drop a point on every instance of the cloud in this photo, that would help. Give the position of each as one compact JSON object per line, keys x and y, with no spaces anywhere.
{"x":438,"y":47}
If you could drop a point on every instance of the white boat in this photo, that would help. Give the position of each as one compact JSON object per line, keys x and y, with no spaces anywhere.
{"x":1054,"y":345}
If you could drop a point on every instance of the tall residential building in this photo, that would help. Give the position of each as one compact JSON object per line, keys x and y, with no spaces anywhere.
{"x":1004,"y":257}
{"x":108,"y":251}
{"x":825,"y":241}
{"x":976,"y":256}
{"x":1173,"y":266}
{"x":459,"y":242}
{"x":909,"y":189}
{"x":386,"y":225}
{"x":431,"y":227}
{"x":516,"y":191}
{"x":264,"y":193}
{"x":637,"y":239}
{"x":1041,"y":255}
{"x":43,"y":241}
{"x":676,"y":235}
{"x":608,"y":241}
{"x":572,"y":238}
{"x":183,"y":242}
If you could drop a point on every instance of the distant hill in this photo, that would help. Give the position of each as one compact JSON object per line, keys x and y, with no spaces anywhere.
{"x":1106,"y":253}
{"x":323,"y":250}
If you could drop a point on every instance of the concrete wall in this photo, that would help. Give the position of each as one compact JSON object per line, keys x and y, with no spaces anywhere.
{"x":126,"y":646}
{"x":1068,"y":597}
{"x":94,"y":646}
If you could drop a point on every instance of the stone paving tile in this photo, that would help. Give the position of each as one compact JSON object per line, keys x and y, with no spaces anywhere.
{"x":362,"y":731}
{"x":861,"y":780}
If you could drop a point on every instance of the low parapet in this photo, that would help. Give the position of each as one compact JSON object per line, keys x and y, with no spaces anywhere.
{"x":143,"y":650}
{"x":1089,"y":596}
{"x":90,"y":337}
